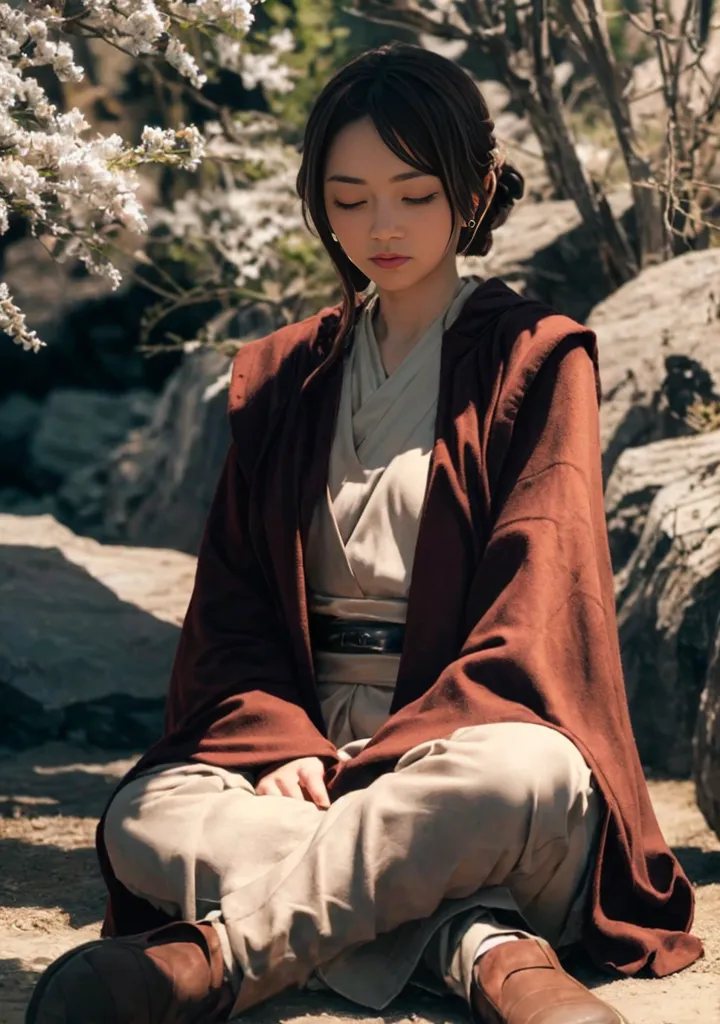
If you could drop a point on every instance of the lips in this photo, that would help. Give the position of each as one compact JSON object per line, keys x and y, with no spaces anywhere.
{"x":389,"y":261}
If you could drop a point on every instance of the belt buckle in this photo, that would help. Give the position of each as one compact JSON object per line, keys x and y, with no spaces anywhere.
{"x":358,"y":638}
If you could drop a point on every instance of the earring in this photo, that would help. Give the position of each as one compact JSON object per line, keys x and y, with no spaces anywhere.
{"x":471,"y":223}
{"x":491,"y":188}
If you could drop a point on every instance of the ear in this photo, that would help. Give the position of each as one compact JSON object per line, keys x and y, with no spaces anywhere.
{"x":475,"y":201}
{"x":490,"y":185}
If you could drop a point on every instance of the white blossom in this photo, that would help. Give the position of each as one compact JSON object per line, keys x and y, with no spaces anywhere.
{"x":237,"y":12}
{"x":182,"y":61}
{"x":73,"y":186}
{"x":264,"y":69}
{"x":183,"y":143}
{"x":12,"y":321}
{"x":241,"y":225}
{"x":282,"y":41}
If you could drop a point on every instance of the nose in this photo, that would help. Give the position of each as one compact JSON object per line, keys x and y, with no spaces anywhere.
{"x":385,"y":224}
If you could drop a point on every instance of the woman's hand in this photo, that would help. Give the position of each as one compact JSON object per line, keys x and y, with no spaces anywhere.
{"x":303,"y":779}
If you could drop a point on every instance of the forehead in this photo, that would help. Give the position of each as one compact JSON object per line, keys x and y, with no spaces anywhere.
{"x":358,"y":152}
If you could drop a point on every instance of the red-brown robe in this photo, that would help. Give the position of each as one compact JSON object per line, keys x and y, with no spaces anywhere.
{"x":511,"y":609}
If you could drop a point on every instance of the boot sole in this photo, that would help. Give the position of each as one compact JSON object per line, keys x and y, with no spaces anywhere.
{"x":41,"y":987}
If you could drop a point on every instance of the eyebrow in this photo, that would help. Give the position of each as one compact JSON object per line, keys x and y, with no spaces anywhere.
{"x":405,"y":176}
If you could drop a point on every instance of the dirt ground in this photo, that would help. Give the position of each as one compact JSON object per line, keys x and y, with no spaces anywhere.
{"x":51,"y":898}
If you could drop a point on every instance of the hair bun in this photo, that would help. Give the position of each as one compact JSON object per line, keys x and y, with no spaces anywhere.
{"x":510,"y":185}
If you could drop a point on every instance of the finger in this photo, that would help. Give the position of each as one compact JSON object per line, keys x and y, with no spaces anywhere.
{"x":268,"y":785}
{"x":314,"y":785}
{"x":291,"y":788}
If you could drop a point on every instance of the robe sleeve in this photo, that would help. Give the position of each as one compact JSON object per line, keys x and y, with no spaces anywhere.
{"x":233,"y":697}
{"x":541,"y":645}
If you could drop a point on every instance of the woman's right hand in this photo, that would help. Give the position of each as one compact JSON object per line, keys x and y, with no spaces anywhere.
{"x":302,"y":779}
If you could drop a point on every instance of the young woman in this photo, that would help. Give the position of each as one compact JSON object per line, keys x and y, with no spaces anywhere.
{"x":397,"y":746}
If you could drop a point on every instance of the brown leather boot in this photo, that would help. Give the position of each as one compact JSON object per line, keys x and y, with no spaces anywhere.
{"x":523,"y":982}
{"x":170,"y":975}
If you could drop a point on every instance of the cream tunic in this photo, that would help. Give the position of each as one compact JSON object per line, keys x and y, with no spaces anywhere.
{"x":361,"y":543}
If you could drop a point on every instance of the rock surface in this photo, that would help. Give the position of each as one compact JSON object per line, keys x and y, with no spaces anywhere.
{"x":156,"y":488}
{"x":87,"y":633}
{"x":659,"y":355}
{"x":670,"y":309}
{"x":668,"y":596}
{"x":160,"y":483}
{"x":706,"y":747}
{"x":79,"y":428}
{"x":639,"y":474}
{"x":19,"y":418}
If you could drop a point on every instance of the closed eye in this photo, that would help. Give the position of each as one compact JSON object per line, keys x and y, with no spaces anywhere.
{"x":407,"y":199}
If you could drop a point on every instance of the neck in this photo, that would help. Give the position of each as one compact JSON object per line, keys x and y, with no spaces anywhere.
{"x":402,"y":317}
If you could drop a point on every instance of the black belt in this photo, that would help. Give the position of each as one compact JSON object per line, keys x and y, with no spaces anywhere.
{"x":345,"y":636}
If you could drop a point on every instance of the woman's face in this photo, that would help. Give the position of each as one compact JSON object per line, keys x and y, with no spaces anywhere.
{"x":410,"y":217}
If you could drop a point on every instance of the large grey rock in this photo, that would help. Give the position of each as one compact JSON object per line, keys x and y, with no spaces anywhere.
{"x":19,"y":417}
{"x":21,"y":503}
{"x":79,"y":428}
{"x":156,"y":488}
{"x":87,"y":632}
{"x":672,"y":309}
{"x":668,"y":596}
{"x":640,"y":473}
{"x":706,"y":744}
{"x":160,"y":483}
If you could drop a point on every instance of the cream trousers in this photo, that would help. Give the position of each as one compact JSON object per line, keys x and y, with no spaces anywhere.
{"x":492,"y":830}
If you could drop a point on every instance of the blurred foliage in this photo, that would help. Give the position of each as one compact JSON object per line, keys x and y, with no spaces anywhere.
{"x":321,"y":46}
{"x":325,"y":39}
{"x":626,"y":44}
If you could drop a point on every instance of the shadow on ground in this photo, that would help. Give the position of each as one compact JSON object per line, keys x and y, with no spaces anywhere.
{"x":701,"y":866}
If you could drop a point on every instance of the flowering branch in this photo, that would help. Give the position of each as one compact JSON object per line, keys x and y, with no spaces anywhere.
{"x":80,"y":189}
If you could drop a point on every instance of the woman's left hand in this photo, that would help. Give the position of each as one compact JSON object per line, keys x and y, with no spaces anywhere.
{"x":302,"y":779}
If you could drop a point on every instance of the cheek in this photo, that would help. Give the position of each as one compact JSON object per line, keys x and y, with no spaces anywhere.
{"x":440,"y":222}
{"x":351,"y":226}
{"x":340,"y":220}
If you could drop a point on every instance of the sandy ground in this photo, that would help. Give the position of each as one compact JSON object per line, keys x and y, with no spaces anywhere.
{"x":51,"y":898}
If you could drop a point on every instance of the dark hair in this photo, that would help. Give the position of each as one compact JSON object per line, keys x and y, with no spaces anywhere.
{"x":430,"y":113}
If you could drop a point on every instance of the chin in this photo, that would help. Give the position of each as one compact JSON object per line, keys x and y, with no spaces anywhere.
{"x":395,"y":280}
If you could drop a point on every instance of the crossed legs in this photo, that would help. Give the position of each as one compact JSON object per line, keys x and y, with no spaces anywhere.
{"x":491,"y":830}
